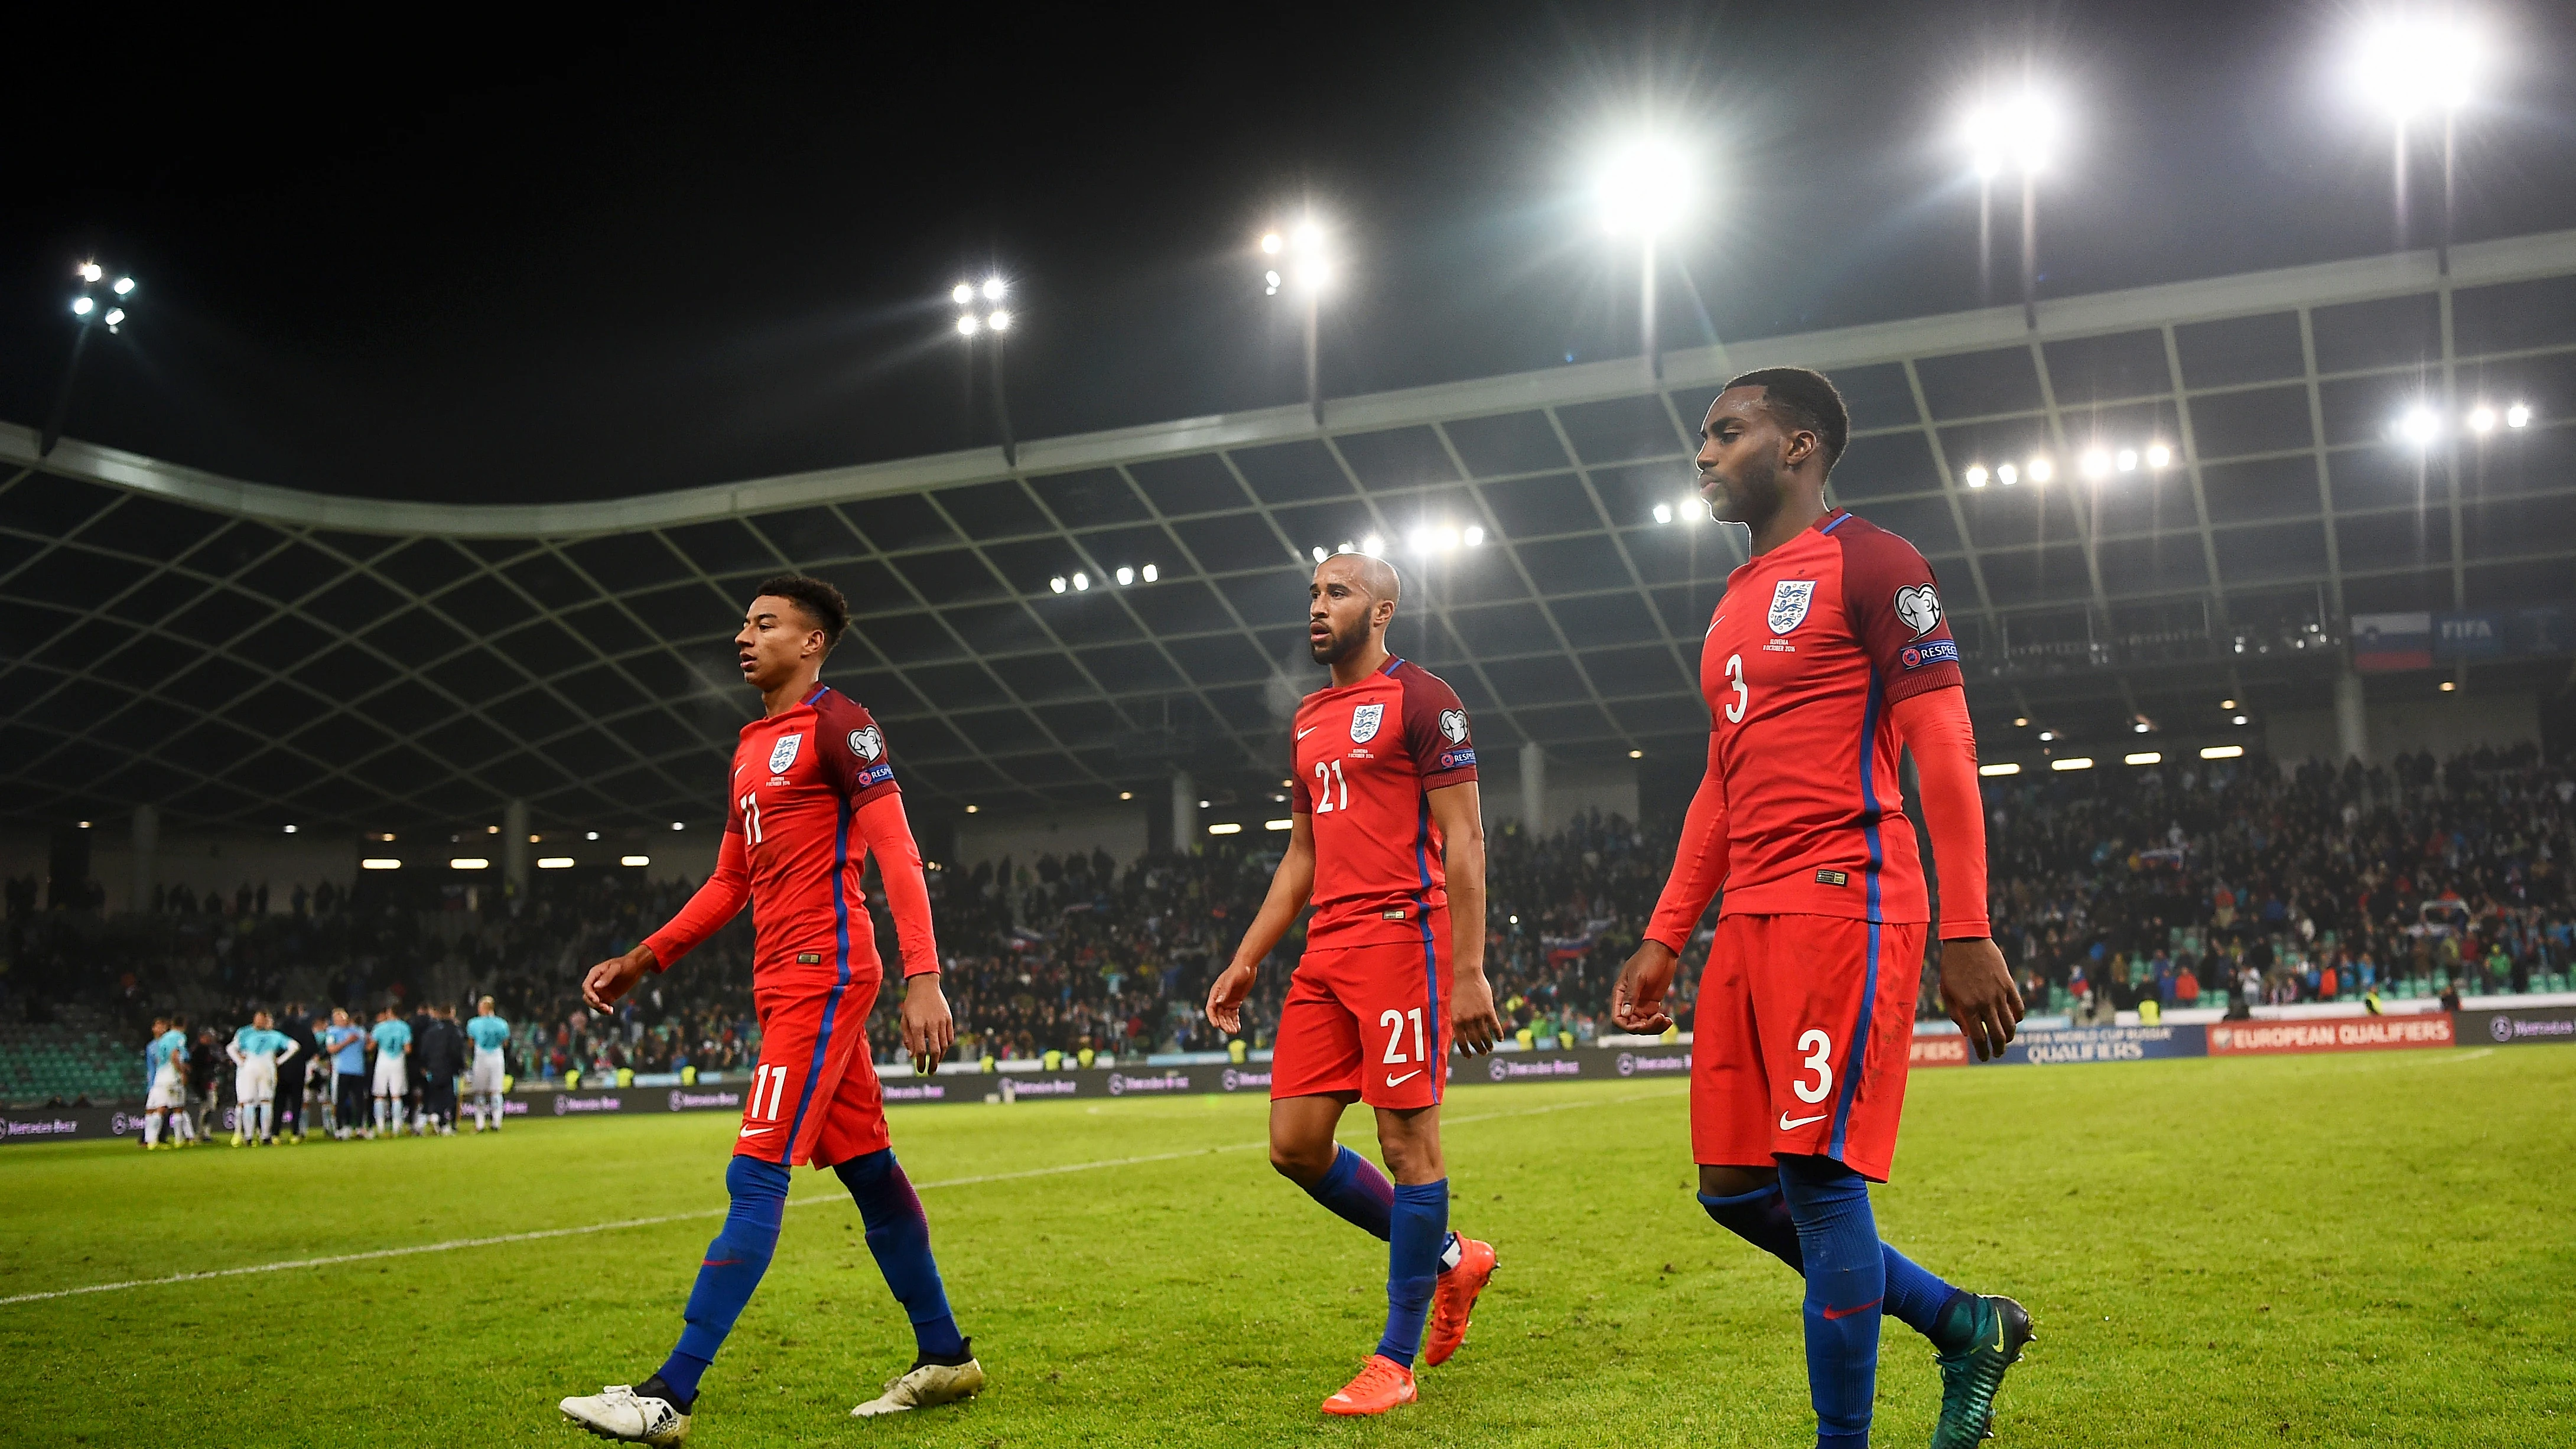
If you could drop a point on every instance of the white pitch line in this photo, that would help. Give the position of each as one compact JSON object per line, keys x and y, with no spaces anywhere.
{"x":542,"y":1234}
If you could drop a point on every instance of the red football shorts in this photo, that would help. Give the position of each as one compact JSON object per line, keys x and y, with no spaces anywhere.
{"x":1800,"y":1041}
{"x":814,"y":1096}
{"x":1368,"y":1019}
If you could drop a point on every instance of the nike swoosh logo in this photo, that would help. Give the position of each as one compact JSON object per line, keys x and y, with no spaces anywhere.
{"x":1400,"y":1081}
{"x":1308,"y":730}
{"x":1832,"y":1313}
{"x":755,"y":1131}
{"x":1792,"y":1124}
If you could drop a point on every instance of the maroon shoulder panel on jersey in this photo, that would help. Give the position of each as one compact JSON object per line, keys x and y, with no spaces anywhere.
{"x":1894,"y":606}
{"x":1436,"y":729}
{"x":853,"y":748}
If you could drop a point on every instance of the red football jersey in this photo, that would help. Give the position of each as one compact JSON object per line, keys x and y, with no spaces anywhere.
{"x":798,"y":778}
{"x":1367,"y":755}
{"x":1811,"y":644}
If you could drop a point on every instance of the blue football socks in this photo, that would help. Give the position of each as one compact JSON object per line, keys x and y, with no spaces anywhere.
{"x":1846,"y":1271}
{"x":1418,"y":1237}
{"x":1357,"y":1192}
{"x":1915,"y":1297}
{"x":732,"y":1268}
{"x":899,"y":1236}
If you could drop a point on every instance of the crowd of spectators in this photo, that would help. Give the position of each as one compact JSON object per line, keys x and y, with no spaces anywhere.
{"x":2188,"y":884}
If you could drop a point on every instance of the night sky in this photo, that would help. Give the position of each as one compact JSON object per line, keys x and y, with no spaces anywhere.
{"x":488,"y":259}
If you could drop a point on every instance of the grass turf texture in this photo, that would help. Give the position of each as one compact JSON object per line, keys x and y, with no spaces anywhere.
{"x":2369,"y":1247}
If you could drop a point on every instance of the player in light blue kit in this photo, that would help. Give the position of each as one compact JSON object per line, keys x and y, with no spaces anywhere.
{"x":256,"y":1050}
{"x":165,"y":1076}
{"x":346,"y":1041}
{"x":393,"y":1043}
{"x":491,"y":1071}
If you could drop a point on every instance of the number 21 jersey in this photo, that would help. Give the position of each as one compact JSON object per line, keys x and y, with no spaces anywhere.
{"x":1367,"y":757}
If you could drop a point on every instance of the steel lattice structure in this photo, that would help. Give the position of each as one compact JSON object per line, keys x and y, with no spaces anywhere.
{"x":241,"y":654}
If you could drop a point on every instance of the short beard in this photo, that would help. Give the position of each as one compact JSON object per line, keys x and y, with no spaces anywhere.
{"x":1761,"y":497}
{"x":1340,"y":646}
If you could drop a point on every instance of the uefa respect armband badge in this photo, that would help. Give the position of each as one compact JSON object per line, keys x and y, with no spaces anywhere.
{"x":1939,"y":651}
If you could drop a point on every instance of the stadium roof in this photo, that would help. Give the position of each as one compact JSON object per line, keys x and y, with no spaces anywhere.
{"x":248,"y":654}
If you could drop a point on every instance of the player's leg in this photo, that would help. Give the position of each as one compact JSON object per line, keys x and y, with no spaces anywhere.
{"x":1314,"y":1075}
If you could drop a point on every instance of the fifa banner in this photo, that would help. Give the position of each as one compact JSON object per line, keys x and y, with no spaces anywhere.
{"x":2068,"y":1045}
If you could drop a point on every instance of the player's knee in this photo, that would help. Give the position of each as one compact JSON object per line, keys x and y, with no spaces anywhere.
{"x":1303,"y":1163}
{"x":1717,"y":1181}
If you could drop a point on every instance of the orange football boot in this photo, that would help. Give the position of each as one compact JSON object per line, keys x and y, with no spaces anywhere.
{"x":1383,"y":1383}
{"x":1455,"y":1299}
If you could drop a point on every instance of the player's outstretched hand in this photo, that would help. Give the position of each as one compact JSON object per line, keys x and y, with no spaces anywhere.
{"x":613,"y":978}
{"x":928,"y":1028}
{"x":1637,"y":999}
{"x":1226,"y":997}
{"x":1978,"y":988}
{"x":1473,"y":1026}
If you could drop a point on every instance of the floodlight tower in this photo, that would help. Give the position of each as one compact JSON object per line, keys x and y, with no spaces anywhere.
{"x":1307,"y":254}
{"x":2407,"y":68}
{"x":1643,"y":190}
{"x":2020,"y":130}
{"x":89,"y":309}
{"x":981,"y":314}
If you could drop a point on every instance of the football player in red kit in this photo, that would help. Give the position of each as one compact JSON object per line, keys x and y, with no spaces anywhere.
{"x":811,"y":791}
{"x":1386,"y":838}
{"x":1827,"y":650}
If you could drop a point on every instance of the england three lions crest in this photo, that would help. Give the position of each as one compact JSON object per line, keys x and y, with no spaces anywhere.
{"x":1364,"y":721}
{"x":783,"y":753}
{"x":1789,"y":601}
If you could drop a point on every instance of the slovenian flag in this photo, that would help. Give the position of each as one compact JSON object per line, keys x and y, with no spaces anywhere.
{"x":2382,"y":642}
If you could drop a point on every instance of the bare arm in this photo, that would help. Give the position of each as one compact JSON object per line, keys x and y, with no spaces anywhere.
{"x":1460,"y":816}
{"x":1291,"y":886}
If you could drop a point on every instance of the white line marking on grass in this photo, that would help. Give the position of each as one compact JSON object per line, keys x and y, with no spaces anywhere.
{"x":542,"y":1234}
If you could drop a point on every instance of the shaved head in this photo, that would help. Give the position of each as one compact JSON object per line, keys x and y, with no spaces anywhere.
{"x":1352,"y":598}
{"x":1370,"y":572}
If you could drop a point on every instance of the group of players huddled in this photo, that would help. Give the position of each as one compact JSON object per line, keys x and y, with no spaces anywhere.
{"x":279,"y":1095}
{"x":1828,"y":652}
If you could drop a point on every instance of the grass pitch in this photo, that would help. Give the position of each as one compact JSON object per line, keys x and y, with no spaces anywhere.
{"x":2365,"y":1248}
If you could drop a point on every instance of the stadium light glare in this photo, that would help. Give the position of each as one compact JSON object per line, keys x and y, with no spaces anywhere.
{"x":1347,"y":547}
{"x":2072,"y":762}
{"x":1474,"y":536}
{"x":2041,"y":470}
{"x":379,"y":862}
{"x":971,"y":809}
{"x":2140,"y":728}
{"x":2021,"y":721}
{"x":2236,"y":719}
{"x":2023,"y":128}
{"x":1278,"y":824}
{"x":1056,"y":584}
{"x":2143,"y":757}
{"x":635,"y":861}
{"x":1271,"y":242}
{"x":1663,"y":513}
{"x":2046,"y":735}
{"x":1151,"y":573}
{"x":81,"y":306}
{"x":114,"y":317}
{"x":1447,"y":538}
{"x":2227,"y":704}
{"x":2006,"y":768}
{"x":1636,"y":754}
{"x":89,"y":271}
{"x":1126,"y":794}
{"x":1643,"y":187}
{"x":2158,"y":455}
{"x":554,"y":862}
{"x":2097,"y":464}
{"x":290,"y":830}
{"x":1126,"y":575}
{"x":1320,"y":555}
{"x":124,"y":286}
{"x":2126,"y":460}
{"x":590,"y":835}
{"x":2518,"y":416}
{"x":1270,"y":284}
{"x":679,"y":825}
{"x":1000,"y":321}
{"x":1225,"y":827}
{"x":2482,"y":419}
{"x":962,"y":294}
{"x":2222,"y":752}
{"x":994,"y":288}
{"x":2417,"y":425}
{"x":469,"y":862}
{"x":2007,"y":474}
{"x":969,"y":325}
{"x":2448,"y":686}
{"x":2408,"y":66}
{"x":1372,"y":545}
{"x":1975,"y":477}
{"x":1081,"y":581}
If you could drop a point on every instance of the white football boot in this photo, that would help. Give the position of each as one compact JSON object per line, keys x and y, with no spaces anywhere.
{"x":927,"y":1385}
{"x":618,"y":1412}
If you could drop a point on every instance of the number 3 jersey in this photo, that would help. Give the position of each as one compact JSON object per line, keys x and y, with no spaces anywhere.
{"x":1367,"y":757}
{"x":1810,"y":647}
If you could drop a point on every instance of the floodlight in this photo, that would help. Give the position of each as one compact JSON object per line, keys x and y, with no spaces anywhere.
{"x":2006,"y":768}
{"x":2097,"y":464}
{"x":1447,"y":539}
{"x":1663,"y":513}
{"x":1319,"y":553}
{"x":2046,"y":735}
{"x":2227,"y":704}
{"x":993,"y":289}
{"x":81,"y":306}
{"x":593,"y":835}
{"x":2023,"y":127}
{"x":2417,"y":426}
{"x":470,"y":862}
{"x":88,"y":271}
{"x":2072,"y":762}
{"x":2518,"y":416}
{"x":2221,"y":752}
{"x":1000,"y":321}
{"x":2007,"y":474}
{"x":1270,"y":244}
{"x":2041,"y":470}
{"x":1081,"y":581}
{"x":2144,"y":757}
{"x":1975,"y":477}
{"x":1644,"y":188}
{"x":2482,"y":419}
{"x":1270,"y":280}
{"x":1314,"y":274}
{"x":124,"y":285}
{"x":114,"y":316}
{"x":2236,"y":719}
{"x":1126,"y":575}
{"x":1308,"y":235}
{"x":1151,"y":573}
{"x":962,"y":293}
{"x":2141,"y":727}
{"x":679,"y":825}
{"x":1056,"y":584}
{"x":1372,"y":545}
{"x":1347,"y":547}
{"x":2407,"y":66}
{"x":1475,"y":536}
{"x":2127,"y":461}
{"x":1419,"y":540}
{"x":2158,"y":455}
{"x":1636,"y":754}
{"x":967,"y":326}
